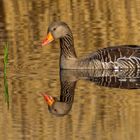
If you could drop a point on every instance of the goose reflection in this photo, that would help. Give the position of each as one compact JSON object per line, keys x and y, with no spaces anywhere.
{"x":63,"y":106}
{"x":126,"y":79}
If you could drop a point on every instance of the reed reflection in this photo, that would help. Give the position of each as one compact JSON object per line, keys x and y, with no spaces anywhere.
{"x":126,"y":79}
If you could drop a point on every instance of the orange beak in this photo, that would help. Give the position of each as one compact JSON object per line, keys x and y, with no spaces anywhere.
{"x":50,"y":100}
{"x":48,"y":39}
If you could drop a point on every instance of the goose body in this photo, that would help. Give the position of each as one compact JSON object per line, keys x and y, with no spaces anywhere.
{"x":118,"y":57}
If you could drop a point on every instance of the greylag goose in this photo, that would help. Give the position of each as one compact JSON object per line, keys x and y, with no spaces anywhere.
{"x":118,"y":57}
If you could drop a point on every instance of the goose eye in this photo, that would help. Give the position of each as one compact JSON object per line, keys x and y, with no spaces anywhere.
{"x":54,"y":29}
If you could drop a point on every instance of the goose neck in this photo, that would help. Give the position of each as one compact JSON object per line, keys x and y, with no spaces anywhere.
{"x":67,"y":47}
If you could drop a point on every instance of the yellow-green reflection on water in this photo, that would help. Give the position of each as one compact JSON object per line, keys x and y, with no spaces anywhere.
{"x":98,"y":112}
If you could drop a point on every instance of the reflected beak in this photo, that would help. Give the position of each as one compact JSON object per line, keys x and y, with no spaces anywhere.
{"x":50,"y":100}
{"x":48,"y":39}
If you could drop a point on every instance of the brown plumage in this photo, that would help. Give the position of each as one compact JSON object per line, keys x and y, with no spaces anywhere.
{"x":118,"y":57}
{"x":126,"y":79}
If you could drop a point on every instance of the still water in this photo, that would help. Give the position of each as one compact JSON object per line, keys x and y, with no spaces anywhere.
{"x":100,"y":109}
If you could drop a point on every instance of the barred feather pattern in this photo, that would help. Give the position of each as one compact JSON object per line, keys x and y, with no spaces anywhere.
{"x":118,"y":57}
{"x":67,"y":46}
{"x":125,"y":79}
{"x":67,"y":92}
{"x":121,"y":57}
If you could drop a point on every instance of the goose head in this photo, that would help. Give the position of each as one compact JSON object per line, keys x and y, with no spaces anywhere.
{"x":56,"y":30}
{"x":56,"y":107}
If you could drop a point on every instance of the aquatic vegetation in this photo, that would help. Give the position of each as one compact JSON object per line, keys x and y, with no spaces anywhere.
{"x":6,"y":93}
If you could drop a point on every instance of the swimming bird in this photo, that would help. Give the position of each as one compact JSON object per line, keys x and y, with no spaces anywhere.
{"x":118,"y":57}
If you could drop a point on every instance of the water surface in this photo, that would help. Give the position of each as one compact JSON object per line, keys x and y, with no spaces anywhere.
{"x":98,"y":112}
